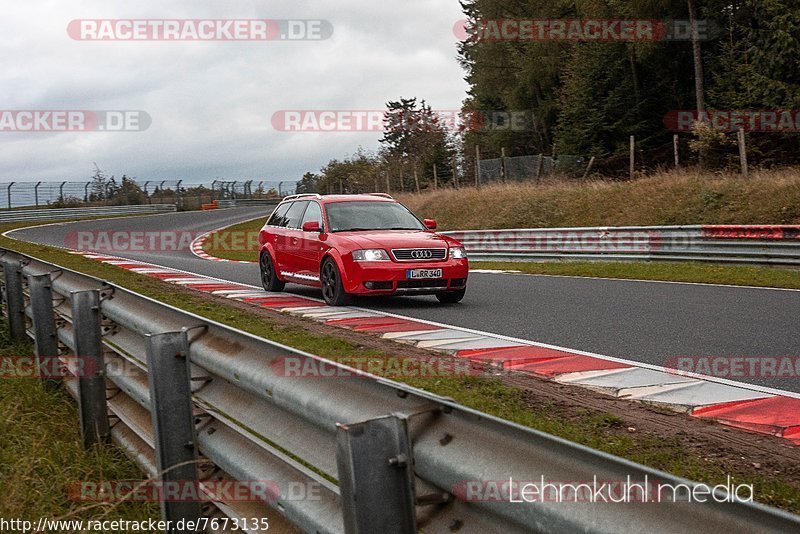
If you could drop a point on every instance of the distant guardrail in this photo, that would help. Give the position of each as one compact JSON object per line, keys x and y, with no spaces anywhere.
{"x":197,"y":402}
{"x":765,"y":245}
{"x":76,"y":213}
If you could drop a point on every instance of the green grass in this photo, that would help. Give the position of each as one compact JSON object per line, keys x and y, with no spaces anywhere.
{"x":767,"y":197}
{"x":41,"y":454}
{"x":238,"y":242}
{"x":602,"y":431}
{"x":671,"y":272}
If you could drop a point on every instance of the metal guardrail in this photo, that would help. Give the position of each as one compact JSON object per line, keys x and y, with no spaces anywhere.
{"x":171,"y":388}
{"x":75,"y":213}
{"x":774,"y":245}
{"x":248,"y":203}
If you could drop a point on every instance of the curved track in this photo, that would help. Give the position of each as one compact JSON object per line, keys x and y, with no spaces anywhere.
{"x":648,"y":322}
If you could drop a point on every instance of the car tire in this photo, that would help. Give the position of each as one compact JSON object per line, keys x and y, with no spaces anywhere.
{"x":332,"y":288}
{"x":451,"y":297}
{"x":269,"y":277}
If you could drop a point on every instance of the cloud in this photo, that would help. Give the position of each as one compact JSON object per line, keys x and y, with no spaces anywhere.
{"x":211,"y":102}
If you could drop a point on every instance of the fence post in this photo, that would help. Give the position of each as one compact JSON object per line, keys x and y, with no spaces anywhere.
{"x":178,"y":199}
{"x":633,"y":157}
{"x":589,"y":167}
{"x":146,"y":193}
{"x":61,"y":191}
{"x":375,"y":466}
{"x":15,"y":300}
{"x":540,"y":167}
{"x":435,"y":177}
{"x":280,"y":189}
{"x":743,"y":152}
{"x":44,"y":329}
{"x":91,"y":367}
{"x":455,"y":173}
{"x":416,"y":179}
{"x":168,"y":377}
{"x":503,"y":175}
{"x":477,"y":166}
{"x":86,"y":191}
{"x":675,"y":146}
{"x":9,"y":194}
{"x":36,"y":193}
{"x":388,"y":185}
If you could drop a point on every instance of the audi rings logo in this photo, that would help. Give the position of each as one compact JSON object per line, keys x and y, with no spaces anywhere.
{"x":422,"y":254}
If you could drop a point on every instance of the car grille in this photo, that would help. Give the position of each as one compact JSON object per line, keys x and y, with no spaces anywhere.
{"x":419,"y":254}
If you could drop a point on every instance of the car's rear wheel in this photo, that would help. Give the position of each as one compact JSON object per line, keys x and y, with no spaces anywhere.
{"x":332,"y":289}
{"x":269,"y":278}
{"x":451,"y":297}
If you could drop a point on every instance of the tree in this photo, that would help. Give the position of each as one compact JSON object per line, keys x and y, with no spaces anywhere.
{"x":98,"y":185}
{"x":308,"y":183}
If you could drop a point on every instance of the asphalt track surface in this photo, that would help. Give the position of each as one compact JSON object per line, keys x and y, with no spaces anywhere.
{"x":640,"y":321}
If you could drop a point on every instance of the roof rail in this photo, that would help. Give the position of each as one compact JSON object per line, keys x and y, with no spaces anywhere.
{"x":384,"y":195}
{"x":301,"y":195}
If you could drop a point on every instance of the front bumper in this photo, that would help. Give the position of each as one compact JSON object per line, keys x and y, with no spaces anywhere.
{"x":391,"y":277}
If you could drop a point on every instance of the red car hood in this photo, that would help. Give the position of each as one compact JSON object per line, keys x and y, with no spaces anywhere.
{"x":391,"y":239}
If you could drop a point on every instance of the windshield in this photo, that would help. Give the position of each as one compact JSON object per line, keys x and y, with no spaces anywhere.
{"x":360,"y":216}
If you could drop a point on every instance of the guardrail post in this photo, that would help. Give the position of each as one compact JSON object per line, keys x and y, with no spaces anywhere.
{"x":376,"y":476}
{"x":91,"y":367}
{"x":169,"y":377}
{"x":15,"y":301}
{"x":44,"y":328}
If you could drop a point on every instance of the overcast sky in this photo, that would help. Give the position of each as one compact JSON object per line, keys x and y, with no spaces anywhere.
{"x":211,"y":103}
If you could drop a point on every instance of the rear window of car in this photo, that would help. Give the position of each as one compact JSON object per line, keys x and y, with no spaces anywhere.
{"x":295,"y":214}
{"x":278,"y":218}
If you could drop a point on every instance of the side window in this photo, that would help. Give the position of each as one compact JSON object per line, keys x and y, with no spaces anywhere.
{"x":295,"y":214}
{"x":277,"y":218}
{"x":313,"y":213}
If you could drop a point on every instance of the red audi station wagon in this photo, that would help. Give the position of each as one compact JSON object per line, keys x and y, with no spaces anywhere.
{"x":359,"y":245}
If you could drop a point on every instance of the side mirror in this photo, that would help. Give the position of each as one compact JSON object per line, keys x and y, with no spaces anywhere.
{"x":311,"y":226}
{"x":430,"y":224}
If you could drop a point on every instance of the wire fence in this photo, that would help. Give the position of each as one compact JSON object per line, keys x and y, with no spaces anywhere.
{"x":186,"y":195}
{"x":530,"y":168}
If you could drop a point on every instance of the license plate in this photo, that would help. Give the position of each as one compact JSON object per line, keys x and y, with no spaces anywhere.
{"x":424,"y":273}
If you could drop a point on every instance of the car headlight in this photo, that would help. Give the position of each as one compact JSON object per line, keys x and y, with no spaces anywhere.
{"x":458,"y":253}
{"x":371,"y":254}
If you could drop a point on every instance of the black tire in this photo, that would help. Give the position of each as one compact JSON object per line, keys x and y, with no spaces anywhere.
{"x":451,"y":297}
{"x":332,"y":288}
{"x":269,"y":278}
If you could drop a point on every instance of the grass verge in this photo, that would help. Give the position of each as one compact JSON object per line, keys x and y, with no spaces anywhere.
{"x":702,"y":273}
{"x":601,"y":431}
{"x":41,"y":454}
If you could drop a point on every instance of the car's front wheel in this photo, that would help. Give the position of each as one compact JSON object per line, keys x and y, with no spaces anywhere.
{"x":332,"y":288}
{"x":269,"y":279}
{"x":451,"y":297}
